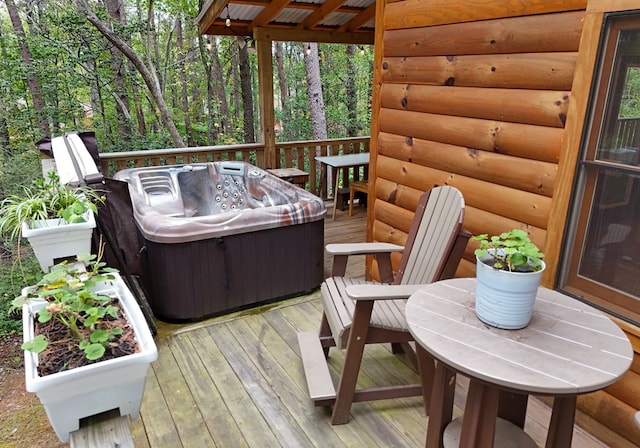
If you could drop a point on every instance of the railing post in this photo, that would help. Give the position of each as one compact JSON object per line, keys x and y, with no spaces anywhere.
{"x":265,"y":87}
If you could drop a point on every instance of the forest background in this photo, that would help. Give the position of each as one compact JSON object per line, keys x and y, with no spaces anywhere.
{"x":139,"y":75}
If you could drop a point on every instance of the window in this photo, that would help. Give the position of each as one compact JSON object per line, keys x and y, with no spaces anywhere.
{"x":602,"y":264}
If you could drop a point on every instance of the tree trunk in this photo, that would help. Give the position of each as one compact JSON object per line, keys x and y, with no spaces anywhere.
{"x":148,"y":74}
{"x":351,"y":95}
{"x":284,"y":91}
{"x":220,"y":92}
{"x":115,"y":8}
{"x":247,"y":91}
{"x":152,"y":46}
{"x":316,"y":102}
{"x":137,"y":100}
{"x":211,"y":134}
{"x":314,"y":93}
{"x":183,"y":82}
{"x":236,"y":91}
{"x":32,"y":80}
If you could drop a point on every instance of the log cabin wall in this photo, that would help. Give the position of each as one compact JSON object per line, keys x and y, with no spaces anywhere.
{"x":476,"y":104}
{"x":475,"y":95}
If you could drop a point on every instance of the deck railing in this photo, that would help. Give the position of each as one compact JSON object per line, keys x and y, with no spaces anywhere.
{"x":626,"y":133}
{"x":299,"y":155}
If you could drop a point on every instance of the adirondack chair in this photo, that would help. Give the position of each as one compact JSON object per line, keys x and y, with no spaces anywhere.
{"x":434,"y":246}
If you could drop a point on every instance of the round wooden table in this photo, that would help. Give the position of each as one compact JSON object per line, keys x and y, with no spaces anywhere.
{"x":569,"y":348}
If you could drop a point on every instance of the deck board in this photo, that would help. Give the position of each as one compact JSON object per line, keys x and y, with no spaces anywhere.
{"x":237,"y":381}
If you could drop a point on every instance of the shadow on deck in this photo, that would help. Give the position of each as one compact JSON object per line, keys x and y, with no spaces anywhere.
{"x":237,"y":380}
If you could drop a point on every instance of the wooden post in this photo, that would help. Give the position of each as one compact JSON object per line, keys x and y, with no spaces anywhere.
{"x":267,"y":115}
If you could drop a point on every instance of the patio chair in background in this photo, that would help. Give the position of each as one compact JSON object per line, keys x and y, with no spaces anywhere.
{"x":433,"y":249}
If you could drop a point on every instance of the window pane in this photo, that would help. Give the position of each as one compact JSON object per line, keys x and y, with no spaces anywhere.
{"x":611,"y":254}
{"x":620,"y":137}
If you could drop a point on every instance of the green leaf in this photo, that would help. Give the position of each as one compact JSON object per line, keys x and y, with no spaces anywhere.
{"x":94,"y":351}
{"x":35,"y":345}
{"x":99,"y":336}
{"x":44,"y":315}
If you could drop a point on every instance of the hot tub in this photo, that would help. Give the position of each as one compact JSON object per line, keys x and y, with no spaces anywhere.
{"x":222,"y":236}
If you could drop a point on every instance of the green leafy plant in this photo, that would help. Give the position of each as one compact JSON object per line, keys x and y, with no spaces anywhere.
{"x":46,"y":198}
{"x":510,"y":251}
{"x":68,"y":292}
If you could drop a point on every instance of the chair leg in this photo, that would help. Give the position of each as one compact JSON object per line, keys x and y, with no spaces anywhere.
{"x":352,"y":193}
{"x":352,"y":362}
{"x":326,"y":338}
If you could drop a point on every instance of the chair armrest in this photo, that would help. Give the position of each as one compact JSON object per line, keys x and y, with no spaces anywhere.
{"x":382,"y":251}
{"x":362,"y":248}
{"x":381,"y":292}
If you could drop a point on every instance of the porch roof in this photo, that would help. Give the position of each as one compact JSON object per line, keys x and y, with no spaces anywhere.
{"x":333,"y":21}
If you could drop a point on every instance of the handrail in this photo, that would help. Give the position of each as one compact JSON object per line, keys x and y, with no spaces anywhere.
{"x":297,"y":154}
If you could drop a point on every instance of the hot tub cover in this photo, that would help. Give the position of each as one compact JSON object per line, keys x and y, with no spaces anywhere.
{"x":182,"y":203}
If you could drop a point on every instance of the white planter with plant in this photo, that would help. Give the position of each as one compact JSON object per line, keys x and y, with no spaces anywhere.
{"x":56,"y":219}
{"x":83,"y":303}
{"x":509,"y":268}
{"x":54,"y":239}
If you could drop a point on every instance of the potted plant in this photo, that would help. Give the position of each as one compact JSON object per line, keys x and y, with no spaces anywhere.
{"x":56,"y":219}
{"x":87,"y":344}
{"x":509,"y":268}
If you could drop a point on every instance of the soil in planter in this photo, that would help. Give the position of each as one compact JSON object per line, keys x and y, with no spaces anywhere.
{"x":63,"y":353}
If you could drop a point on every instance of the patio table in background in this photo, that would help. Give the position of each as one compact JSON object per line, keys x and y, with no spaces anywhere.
{"x":338,"y":163}
{"x":569,"y":348}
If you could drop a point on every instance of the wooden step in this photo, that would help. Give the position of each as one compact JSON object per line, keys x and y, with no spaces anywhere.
{"x":316,"y":370}
{"x":108,"y":429}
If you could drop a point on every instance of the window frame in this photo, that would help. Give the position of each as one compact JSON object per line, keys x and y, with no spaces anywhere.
{"x":607,"y":298}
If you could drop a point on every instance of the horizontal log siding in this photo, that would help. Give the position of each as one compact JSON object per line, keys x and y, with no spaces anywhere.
{"x":515,"y":139}
{"x":475,"y":94}
{"x":479,"y":106}
{"x":537,"y":107}
{"x":559,"y":32}
{"x":536,"y":176}
{"x":550,"y":71}
{"x":420,"y":13}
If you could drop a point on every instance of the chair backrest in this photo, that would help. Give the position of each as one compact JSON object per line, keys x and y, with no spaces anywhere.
{"x":435,"y":235}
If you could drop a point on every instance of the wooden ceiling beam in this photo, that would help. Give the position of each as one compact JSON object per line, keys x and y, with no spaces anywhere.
{"x":209,"y":14}
{"x":328,"y":36}
{"x":320,"y":13}
{"x":359,"y":20}
{"x":269,"y":13}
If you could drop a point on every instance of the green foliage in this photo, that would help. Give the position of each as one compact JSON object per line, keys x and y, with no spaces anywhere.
{"x":18,"y":169}
{"x":510,"y":251}
{"x":71,"y":299}
{"x":13,"y":276}
{"x":86,"y":94}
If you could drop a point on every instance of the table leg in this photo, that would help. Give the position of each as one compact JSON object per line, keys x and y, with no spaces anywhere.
{"x":480,"y":413}
{"x":426,"y":368}
{"x":513,"y":407}
{"x":322,"y":188}
{"x":440,"y":404}
{"x":561,"y":425}
{"x":334,"y":173}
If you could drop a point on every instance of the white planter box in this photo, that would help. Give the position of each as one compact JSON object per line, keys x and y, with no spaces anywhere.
{"x":53,"y":239}
{"x":85,"y":391}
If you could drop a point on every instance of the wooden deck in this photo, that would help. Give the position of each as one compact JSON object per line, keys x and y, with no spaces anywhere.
{"x":238,"y":381}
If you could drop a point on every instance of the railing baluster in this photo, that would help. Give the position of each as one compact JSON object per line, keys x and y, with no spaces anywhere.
{"x":300,"y":154}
